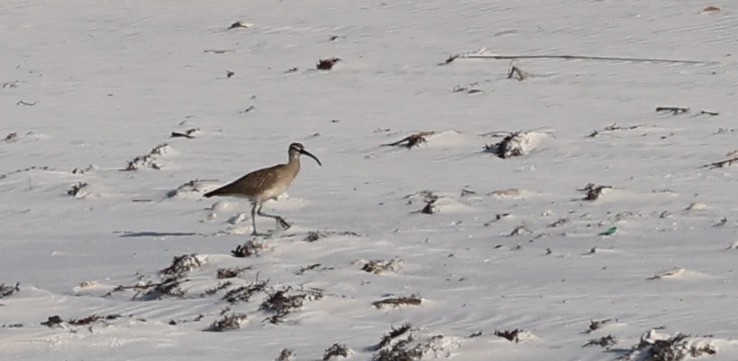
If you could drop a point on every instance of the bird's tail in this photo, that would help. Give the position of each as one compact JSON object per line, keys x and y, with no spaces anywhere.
{"x":212,"y":193}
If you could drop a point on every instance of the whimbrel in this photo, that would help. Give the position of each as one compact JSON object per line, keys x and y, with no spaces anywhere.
{"x":264,"y":184}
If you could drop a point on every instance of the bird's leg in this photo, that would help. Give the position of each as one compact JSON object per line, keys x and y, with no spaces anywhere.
{"x":253,"y":217}
{"x":282,"y":223}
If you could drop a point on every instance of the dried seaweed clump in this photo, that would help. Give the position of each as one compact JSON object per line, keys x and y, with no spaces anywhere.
{"x":412,"y":300}
{"x":378,"y":266}
{"x":335,"y":351}
{"x":513,"y":145}
{"x":604,"y":341}
{"x":6,"y":291}
{"x":183,"y":264}
{"x":412,"y":140}
{"x":228,"y":322}
{"x":654,"y":346}
{"x":404,"y":344}
{"x":593,"y":192}
{"x":250,"y":248}
{"x":149,"y":160}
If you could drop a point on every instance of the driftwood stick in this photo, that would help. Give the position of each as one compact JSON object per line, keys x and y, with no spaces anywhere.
{"x":722,"y":163}
{"x":581,"y":57}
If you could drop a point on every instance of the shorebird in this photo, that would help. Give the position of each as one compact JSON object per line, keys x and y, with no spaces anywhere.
{"x":264,"y":184}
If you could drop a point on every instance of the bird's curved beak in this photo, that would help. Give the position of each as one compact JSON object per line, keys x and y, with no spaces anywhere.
{"x":303,"y":151}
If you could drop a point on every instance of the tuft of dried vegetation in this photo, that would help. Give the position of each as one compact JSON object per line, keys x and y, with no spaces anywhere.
{"x":604,"y":341}
{"x":313,"y":236}
{"x":53,"y":321}
{"x":148,"y":160}
{"x":411,"y":140}
{"x":78,"y":190}
{"x":244,"y":293}
{"x":11,"y":137}
{"x":231,"y":272}
{"x":403,"y":344}
{"x":412,"y":300}
{"x":595,"y":325}
{"x":659,"y":347}
{"x":304,"y":269}
{"x":93,"y":318}
{"x":472,"y":89}
{"x":281,"y":302}
{"x":57,"y":321}
{"x":228,"y":322}
{"x":593,"y":192}
{"x":611,"y":128}
{"x":193,"y":186}
{"x":183,"y":264}
{"x":9,"y":290}
{"x":285,"y":355}
{"x":250,"y":248}
{"x":393,"y":334}
{"x":378,"y":266}
{"x":335,"y":351}
{"x":327,"y":64}
{"x":512,"y":145}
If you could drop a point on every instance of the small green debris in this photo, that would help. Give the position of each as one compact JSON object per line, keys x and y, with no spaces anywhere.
{"x":609,"y":232}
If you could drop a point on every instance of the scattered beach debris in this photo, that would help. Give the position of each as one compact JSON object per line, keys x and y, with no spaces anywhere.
{"x":405,"y":344}
{"x":412,"y":300}
{"x":732,"y":158}
{"x":378,"y":266}
{"x":229,"y":74}
{"x":327,"y":64}
{"x":244,"y":293}
{"x":517,"y":73}
{"x":609,"y":232}
{"x":11,"y":137}
{"x":240,"y":24}
{"x":9,"y":290}
{"x":673,"y":110}
{"x":510,"y":335}
{"x":313,"y":236}
{"x":285,"y":355}
{"x":228,"y":322}
{"x":516,"y":144}
{"x":412,"y":140}
{"x":712,"y":9}
{"x":248,"y":249}
{"x":78,"y":190}
{"x":25,"y":103}
{"x":189,"y":133}
{"x":593,"y":192}
{"x":183,"y":264}
{"x":149,"y":160}
{"x":611,"y":128}
{"x":595,"y":325}
{"x":675,"y":272}
{"x":335,"y":351}
{"x":223,"y":273}
{"x":605,"y":341}
{"x":472,"y":89}
{"x":191,"y":187}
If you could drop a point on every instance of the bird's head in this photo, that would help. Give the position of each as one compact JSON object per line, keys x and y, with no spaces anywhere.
{"x":296,"y":149}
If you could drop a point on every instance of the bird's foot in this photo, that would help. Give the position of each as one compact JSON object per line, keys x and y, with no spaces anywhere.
{"x":282,"y":223}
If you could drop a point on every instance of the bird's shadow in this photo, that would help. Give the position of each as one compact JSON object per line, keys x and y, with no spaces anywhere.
{"x":129,"y":234}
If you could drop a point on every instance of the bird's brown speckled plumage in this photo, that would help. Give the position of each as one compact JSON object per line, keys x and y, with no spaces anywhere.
{"x":264,"y":184}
